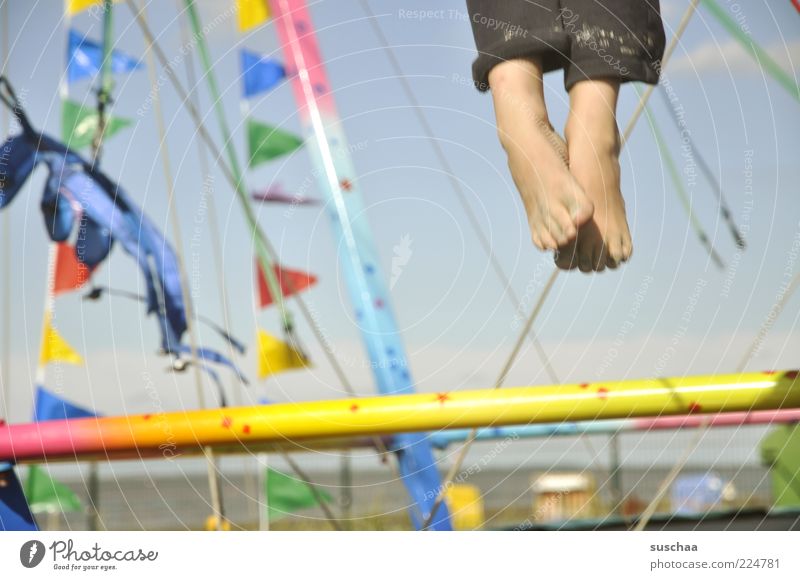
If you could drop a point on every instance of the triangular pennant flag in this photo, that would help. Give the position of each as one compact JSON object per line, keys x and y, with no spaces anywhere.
{"x":251,"y":13}
{"x":291,"y":282}
{"x":75,"y":6}
{"x":55,"y":348}
{"x":259,"y":73}
{"x":275,"y":356}
{"x":15,"y":516}
{"x":276,"y":194}
{"x":85,"y":57}
{"x":45,"y":494}
{"x":50,"y":407}
{"x":266,"y":143}
{"x":70,"y":273}
{"x":79,"y":125}
{"x":286,"y":494}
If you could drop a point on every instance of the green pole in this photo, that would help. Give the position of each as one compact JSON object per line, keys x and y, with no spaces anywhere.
{"x":106,"y":80}
{"x":763,"y":58}
{"x":264,"y":257}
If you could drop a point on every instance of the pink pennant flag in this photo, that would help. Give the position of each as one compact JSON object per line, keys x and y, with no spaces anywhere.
{"x":276,"y":194}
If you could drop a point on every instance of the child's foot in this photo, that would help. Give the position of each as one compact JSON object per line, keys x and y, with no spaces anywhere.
{"x":593,"y":144}
{"x":554,"y":202}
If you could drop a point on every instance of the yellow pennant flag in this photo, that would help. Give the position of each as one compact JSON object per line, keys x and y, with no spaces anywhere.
{"x":275,"y":356}
{"x":55,"y":348}
{"x":251,"y":13}
{"x":74,"y":6}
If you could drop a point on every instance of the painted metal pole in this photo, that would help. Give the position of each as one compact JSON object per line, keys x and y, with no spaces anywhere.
{"x":263,"y":504}
{"x":103,"y":101}
{"x":615,"y":474}
{"x":346,"y":487}
{"x":443,"y":439}
{"x":5,"y":368}
{"x":245,"y":426}
{"x":359,"y":258}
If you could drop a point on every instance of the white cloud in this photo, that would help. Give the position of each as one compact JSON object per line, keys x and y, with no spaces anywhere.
{"x":729,"y":55}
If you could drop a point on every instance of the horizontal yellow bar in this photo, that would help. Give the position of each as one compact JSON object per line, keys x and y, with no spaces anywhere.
{"x":282,"y":423}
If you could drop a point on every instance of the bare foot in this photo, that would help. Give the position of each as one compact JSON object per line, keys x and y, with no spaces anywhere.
{"x":537,"y":157}
{"x":593,"y":144}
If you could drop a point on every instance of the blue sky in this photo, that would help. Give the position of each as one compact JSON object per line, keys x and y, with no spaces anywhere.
{"x":456,"y":323}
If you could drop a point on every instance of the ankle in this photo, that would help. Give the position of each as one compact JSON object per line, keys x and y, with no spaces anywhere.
{"x":602,"y":135}
{"x":509,"y":128}
{"x":517,"y":90}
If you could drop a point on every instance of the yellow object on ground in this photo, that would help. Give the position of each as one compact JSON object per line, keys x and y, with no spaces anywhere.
{"x":211,"y":524}
{"x":466,"y":506}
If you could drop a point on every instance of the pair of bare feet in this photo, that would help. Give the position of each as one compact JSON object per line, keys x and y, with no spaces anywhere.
{"x":570,"y":189}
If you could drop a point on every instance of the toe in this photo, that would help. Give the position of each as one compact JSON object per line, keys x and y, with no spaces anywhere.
{"x":537,"y":240}
{"x":560,"y":238}
{"x":599,"y":258}
{"x":615,"y":253}
{"x":627,"y":249}
{"x":564,"y":219}
{"x":584,"y":260}
{"x":566,"y":258}
{"x":547,"y":240}
{"x":556,"y":231}
{"x":581,"y":208}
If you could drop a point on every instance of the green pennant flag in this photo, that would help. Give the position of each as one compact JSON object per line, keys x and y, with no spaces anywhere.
{"x":265,"y":142}
{"x":286,"y":494}
{"x":79,"y":125}
{"x":45,"y":494}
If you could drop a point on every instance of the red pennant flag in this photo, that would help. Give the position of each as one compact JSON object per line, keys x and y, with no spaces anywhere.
{"x":70,"y":274}
{"x":291,"y":281}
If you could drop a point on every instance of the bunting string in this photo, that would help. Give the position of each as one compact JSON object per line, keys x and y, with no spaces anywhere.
{"x":705,"y":169}
{"x":213,"y":471}
{"x":680,"y":189}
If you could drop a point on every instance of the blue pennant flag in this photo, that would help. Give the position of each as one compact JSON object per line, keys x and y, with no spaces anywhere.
{"x":259,"y":73}
{"x":85,"y":57}
{"x":15,"y":515}
{"x":50,"y":407}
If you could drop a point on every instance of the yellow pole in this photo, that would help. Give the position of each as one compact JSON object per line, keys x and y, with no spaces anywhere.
{"x":232,"y":428}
